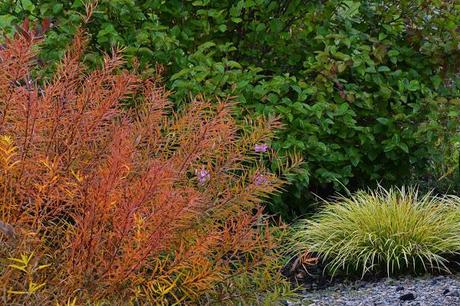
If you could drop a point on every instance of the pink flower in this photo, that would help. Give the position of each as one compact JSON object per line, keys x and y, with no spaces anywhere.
{"x":203,"y":176}
{"x":261,"y":148}
{"x":260,"y":179}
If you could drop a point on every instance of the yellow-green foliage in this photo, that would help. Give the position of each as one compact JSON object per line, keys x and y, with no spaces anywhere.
{"x":390,"y":230}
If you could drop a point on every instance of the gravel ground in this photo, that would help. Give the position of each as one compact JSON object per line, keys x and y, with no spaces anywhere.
{"x":423,"y":291}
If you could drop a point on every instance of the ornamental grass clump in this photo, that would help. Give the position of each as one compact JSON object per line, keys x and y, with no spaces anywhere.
{"x":393,"y":230}
{"x":107,"y":196}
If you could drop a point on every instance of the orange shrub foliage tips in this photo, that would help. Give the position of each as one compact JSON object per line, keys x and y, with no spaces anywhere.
{"x":124,"y":202}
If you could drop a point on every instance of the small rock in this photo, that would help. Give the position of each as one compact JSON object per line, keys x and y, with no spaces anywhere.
{"x":455,"y":293}
{"x":300,"y":275}
{"x":407,"y":297}
{"x":418,"y":291}
{"x":399,"y":288}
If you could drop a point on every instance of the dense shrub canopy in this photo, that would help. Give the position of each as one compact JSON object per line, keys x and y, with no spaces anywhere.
{"x":127,"y":205}
{"x":367,"y":89}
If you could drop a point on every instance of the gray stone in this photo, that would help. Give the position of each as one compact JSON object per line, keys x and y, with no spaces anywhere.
{"x":426,"y":291}
{"x":407,"y":297}
{"x":455,"y":293}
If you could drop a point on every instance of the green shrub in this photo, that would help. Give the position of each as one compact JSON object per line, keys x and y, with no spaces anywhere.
{"x":366,"y":89}
{"x":393,"y":230}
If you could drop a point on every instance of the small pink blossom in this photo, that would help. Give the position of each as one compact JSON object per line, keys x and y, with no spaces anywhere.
{"x":203,"y":176}
{"x":260,"y":179}
{"x":261,"y":148}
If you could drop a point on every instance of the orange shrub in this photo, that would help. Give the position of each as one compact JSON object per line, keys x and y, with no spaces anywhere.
{"x":104,"y":202}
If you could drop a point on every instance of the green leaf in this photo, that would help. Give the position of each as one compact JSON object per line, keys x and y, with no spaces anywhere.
{"x":206,"y":45}
{"x":27,"y":5}
{"x":382,"y":36}
{"x":6,"y":21}
{"x":383,"y":69}
{"x":57,"y":8}
{"x":222,"y":28}
{"x":413,"y":85}
{"x":404,"y":147}
{"x":180,"y":74}
{"x":384,"y":121}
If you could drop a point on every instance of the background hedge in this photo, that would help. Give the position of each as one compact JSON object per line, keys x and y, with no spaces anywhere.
{"x":368,"y":90}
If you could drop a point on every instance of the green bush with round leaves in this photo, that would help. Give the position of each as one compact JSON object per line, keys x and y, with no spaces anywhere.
{"x":368,"y":90}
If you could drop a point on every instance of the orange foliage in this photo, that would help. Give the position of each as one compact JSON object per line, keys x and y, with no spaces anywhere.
{"x":118,"y":198}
